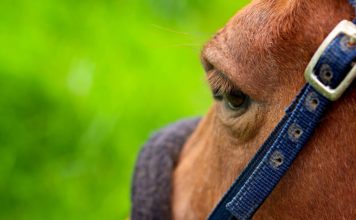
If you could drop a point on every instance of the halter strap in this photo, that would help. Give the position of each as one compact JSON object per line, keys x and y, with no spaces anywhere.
{"x":330,"y":69}
{"x":353,"y":3}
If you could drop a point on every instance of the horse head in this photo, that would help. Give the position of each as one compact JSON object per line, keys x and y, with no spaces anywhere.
{"x":254,"y":66}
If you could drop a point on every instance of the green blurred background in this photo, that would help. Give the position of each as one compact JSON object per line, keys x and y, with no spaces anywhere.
{"x":83,"y":83}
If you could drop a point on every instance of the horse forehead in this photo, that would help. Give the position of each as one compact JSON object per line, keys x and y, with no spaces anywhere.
{"x":250,"y":47}
{"x":260,"y":27}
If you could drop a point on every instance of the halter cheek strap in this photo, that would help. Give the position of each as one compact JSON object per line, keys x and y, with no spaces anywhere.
{"x":330,"y":72}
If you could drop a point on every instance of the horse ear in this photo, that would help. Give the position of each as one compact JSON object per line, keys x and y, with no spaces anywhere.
{"x":151,"y":184}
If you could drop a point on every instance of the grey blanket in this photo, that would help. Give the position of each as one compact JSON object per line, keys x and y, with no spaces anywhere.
{"x":151,"y":186}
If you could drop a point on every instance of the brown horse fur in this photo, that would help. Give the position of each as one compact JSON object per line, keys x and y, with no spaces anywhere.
{"x":263,"y":51}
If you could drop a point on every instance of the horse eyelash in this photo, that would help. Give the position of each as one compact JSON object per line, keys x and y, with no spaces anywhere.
{"x":220,"y":84}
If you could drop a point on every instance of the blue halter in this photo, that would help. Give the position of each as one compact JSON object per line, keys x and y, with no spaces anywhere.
{"x":330,"y":72}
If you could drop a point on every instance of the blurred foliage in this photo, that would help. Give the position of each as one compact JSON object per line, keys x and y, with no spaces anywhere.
{"x":83,"y":83}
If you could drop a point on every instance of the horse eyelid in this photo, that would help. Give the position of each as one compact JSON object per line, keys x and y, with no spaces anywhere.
{"x":219,"y":83}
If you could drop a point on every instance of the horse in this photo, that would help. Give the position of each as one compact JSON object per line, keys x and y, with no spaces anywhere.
{"x":254,"y":66}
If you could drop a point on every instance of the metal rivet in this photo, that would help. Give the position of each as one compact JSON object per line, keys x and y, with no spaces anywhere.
{"x":315,"y":102}
{"x":312,"y":101}
{"x":326,"y":74}
{"x":276,"y":159}
{"x":295,"y":132}
{"x":351,"y":42}
{"x":347,"y":43}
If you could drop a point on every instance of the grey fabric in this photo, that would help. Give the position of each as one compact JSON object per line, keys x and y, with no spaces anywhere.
{"x":151,"y":186}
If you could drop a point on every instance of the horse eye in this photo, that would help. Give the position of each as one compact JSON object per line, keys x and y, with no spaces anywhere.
{"x":235,"y":100}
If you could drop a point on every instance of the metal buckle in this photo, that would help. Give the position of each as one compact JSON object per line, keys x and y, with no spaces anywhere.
{"x":344,"y":27}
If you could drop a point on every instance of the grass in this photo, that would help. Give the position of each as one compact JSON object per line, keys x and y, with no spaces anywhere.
{"x":83,"y":84}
